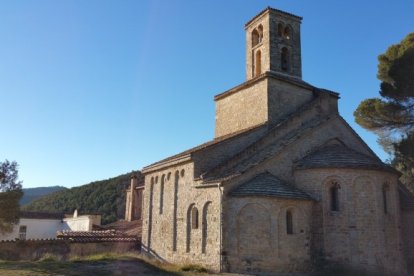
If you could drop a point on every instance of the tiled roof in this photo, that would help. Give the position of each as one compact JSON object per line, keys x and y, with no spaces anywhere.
{"x":41,"y":215}
{"x":131,"y":228}
{"x":217,"y":140}
{"x":406,"y":198}
{"x":266,"y":184}
{"x":95,"y":236}
{"x":340,"y":156}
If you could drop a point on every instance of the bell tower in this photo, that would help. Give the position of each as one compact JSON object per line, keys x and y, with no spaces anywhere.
{"x":273,"y":44}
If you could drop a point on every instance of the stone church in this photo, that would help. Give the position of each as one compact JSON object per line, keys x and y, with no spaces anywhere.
{"x":284,"y":182}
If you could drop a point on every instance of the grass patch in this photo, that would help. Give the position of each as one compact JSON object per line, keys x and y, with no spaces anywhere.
{"x":194,"y":268}
{"x":100,"y":264}
{"x":50,"y":258}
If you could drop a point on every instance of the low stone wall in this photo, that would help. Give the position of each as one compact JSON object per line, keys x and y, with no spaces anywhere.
{"x":36,"y":249}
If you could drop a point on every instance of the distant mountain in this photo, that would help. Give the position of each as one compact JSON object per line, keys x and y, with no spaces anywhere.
{"x":31,"y":194}
{"x":105,"y":197}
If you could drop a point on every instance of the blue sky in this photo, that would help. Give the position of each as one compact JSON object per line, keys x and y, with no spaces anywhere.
{"x":92,"y":89}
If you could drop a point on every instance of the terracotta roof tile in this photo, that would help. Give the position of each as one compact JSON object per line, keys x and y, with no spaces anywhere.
{"x":95,"y":236}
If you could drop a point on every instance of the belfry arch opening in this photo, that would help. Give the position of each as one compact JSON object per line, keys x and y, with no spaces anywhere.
{"x":285,"y":59}
{"x":258,"y":63}
{"x":255,"y":37}
{"x":280,"y":29}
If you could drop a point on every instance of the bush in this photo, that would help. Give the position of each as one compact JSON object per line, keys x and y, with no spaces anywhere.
{"x":193,"y":268}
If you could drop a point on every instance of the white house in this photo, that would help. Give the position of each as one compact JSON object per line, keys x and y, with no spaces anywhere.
{"x":36,"y":225}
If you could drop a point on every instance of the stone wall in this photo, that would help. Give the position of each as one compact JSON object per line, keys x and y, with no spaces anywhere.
{"x":256,"y":238}
{"x":36,"y":249}
{"x":285,"y":98}
{"x":170,"y":196}
{"x":242,"y":109}
{"x":407,"y":230}
{"x":362,"y":233}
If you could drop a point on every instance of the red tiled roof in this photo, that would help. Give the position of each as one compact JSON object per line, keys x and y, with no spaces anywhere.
{"x":96,"y":236}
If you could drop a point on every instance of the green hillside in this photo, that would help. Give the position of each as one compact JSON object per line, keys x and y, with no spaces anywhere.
{"x":30,"y":194}
{"x":105,"y":197}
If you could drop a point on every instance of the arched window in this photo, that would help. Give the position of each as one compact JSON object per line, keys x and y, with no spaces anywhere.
{"x":385,"y":192}
{"x":174,"y":218}
{"x":192,"y":223}
{"x":205,"y":226}
{"x":289,"y":222}
{"x":194,"y":218}
{"x":255,"y":37}
{"x":162,"y":193}
{"x":334,"y":196}
{"x":285,"y":59}
{"x":280,"y":29}
{"x":287,"y":33}
{"x":258,"y":64}
{"x":260,"y":31}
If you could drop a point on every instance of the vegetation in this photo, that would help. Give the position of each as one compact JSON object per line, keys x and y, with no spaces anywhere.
{"x":10,"y":194}
{"x":102,"y":264}
{"x":391,"y":117}
{"x":106,"y":197}
{"x":31,"y":194}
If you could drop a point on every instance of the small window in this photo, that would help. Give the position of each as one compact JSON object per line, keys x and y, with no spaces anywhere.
{"x":385,"y":194}
{"x":334,"y":197}
{"x":289,"y":222}
{"x":194,"y":218}
{"x":22,"y":232}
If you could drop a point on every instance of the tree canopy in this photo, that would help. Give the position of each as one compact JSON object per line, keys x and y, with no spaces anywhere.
{"x":10,"y":194}
{"x":104,"y":197}
{"x":391,"y":116}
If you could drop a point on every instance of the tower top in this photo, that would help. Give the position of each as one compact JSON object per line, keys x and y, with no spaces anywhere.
{"x":273,"y":44}
{"x":273,"y":10}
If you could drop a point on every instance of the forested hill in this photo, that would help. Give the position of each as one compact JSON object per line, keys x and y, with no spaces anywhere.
{"x":30,"y":194}
{"x":105,"y":197}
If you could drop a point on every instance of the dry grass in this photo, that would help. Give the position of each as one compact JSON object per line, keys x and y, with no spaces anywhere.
{"x":102,"y":264}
